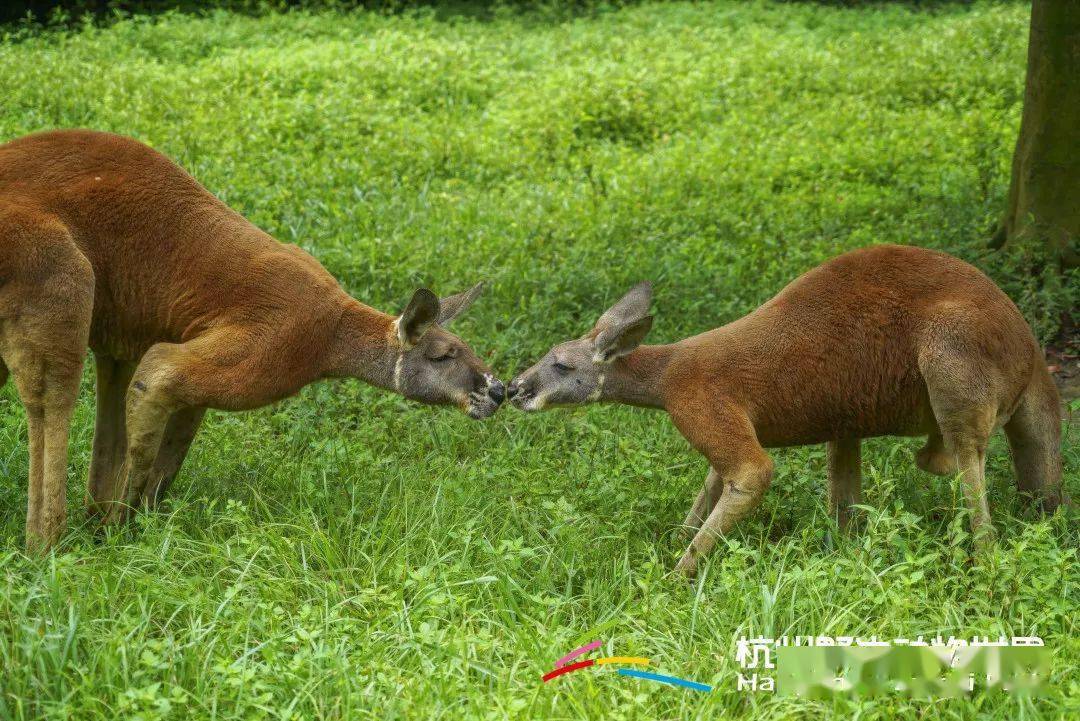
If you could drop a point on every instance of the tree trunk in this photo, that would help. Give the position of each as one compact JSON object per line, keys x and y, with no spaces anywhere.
{"x":1044,"y":194}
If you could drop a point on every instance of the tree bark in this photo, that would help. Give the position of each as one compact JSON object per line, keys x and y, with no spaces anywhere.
{"x":1044,"y":193}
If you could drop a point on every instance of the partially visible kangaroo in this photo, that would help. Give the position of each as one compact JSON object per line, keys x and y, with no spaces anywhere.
{"x":106,"y":243}
{"x":888,"y":340}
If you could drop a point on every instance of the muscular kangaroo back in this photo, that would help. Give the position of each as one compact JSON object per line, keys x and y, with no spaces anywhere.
{"x":120,"y":197}
{"x":841,"y":351}
{"x":168,"y":257}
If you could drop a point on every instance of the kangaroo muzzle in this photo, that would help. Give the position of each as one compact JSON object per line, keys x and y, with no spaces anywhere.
{"x":486,"y":399}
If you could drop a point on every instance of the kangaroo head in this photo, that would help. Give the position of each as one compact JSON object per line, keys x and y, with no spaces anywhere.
{"x":573,"y":372}
{"x":435,"y":366}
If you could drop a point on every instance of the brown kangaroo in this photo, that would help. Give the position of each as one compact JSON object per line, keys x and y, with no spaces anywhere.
{"x":887,"y":340}
{"x":187,"y":306}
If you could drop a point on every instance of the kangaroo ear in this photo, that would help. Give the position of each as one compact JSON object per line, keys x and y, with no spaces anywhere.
{"x":452,"y":306}
{"x":631,"y":307}
{"x":419,"y":315}
{"x":615,"y":342}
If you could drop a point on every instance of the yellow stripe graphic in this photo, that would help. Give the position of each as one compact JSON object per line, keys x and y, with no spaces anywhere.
{"x":640,"y":661}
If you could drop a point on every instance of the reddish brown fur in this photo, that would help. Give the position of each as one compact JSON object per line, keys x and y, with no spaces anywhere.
{"x":107,"y":243}
{"x":861,"y":327}
{"x":887,"y":340}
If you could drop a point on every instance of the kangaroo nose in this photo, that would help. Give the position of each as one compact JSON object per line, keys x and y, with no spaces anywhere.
{"x":512,"y":389}
{"x":497,"y":391}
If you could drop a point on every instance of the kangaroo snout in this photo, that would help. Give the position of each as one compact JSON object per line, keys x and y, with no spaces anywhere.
{"x":520,"y":392}
{"x":497,"y":391}
{"x":488,"y":395}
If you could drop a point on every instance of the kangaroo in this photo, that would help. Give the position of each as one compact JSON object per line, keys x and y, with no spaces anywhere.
{"x":107,"y":244}
{"x":887,"y":340}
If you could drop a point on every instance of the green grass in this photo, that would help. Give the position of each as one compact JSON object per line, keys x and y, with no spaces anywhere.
{"x":346,"y":554}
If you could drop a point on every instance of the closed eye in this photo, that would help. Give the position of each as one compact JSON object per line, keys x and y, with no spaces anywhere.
{"x":446,"y":355}
{"x":563,"y":368}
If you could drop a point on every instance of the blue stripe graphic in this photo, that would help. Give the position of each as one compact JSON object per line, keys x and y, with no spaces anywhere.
{"x":665,"y":679}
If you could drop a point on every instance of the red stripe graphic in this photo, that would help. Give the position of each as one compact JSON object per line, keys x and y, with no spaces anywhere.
{"x":567,"y":669}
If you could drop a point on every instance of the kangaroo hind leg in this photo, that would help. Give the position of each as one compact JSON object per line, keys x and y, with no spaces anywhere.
{"x":110,"y":441}
{"x":1034,"y":433}
{"x":845,"y":478}
{"x":46,"y":304}
{"x":963,"y":399}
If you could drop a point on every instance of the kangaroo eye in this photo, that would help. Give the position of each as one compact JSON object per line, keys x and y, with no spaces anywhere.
{"x":443,"y":355}
{"x":563,"y":368}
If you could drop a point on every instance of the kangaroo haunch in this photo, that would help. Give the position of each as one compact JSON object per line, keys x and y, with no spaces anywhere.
{"x":888,"y":340}
{"x":187,"y":306}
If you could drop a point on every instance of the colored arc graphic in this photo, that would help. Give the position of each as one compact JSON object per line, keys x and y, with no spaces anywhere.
{"x":665,"y":679}
{"x":576,"y":652}
{"x":563,"y":667}
{"x":593,"y":662}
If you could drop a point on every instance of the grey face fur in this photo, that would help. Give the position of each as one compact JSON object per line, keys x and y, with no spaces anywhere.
{"x":435,"y":366}
{"x":573,"y":372}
